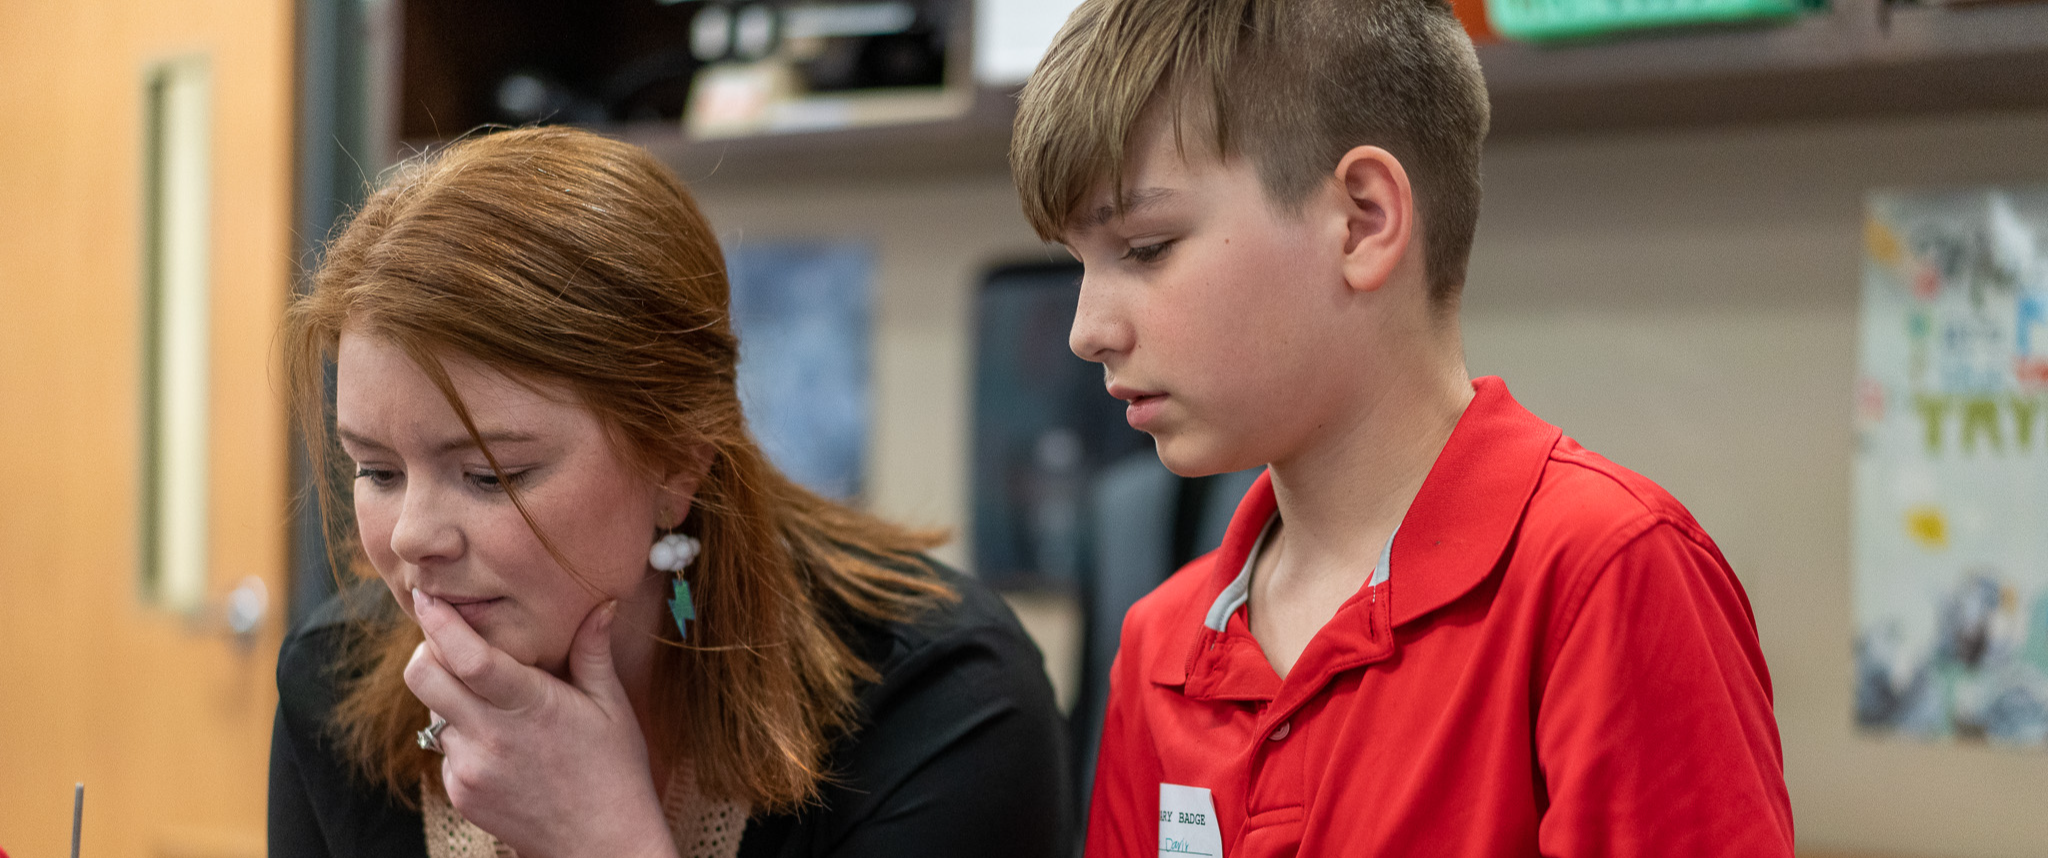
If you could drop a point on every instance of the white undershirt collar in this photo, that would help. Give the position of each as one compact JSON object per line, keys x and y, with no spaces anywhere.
{"x":1240,"y":589}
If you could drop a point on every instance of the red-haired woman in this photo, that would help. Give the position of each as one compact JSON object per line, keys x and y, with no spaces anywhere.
{"x":613,"y":628}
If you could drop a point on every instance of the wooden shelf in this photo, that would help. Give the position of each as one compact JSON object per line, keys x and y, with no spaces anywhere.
{"x":1864,"y":58}
{"x":976,"y":142}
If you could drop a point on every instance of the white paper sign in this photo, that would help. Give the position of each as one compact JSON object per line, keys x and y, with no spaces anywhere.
{"x":1187,"y":823}
{"x":1011,"y":35}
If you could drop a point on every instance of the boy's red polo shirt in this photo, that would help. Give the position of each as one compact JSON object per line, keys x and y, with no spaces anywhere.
{"x":1561,"y":664}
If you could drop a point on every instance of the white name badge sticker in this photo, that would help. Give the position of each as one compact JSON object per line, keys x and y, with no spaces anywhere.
{"x":1187,"y":823}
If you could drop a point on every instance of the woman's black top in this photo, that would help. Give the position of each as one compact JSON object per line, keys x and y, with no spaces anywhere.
{"x":959,"y":751}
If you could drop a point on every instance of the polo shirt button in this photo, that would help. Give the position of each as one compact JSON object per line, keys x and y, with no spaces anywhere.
{"x":1281,"y":732}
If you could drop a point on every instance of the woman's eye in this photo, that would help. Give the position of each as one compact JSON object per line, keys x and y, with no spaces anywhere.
{"x":489,"y":481}
{"x":1148,"y":253}
{"x":376,"y":476}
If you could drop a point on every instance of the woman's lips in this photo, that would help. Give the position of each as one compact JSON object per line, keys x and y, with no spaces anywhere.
{"x":473,"y":610}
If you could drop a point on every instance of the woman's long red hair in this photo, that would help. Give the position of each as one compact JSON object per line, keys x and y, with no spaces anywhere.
{"x":559,"y":254}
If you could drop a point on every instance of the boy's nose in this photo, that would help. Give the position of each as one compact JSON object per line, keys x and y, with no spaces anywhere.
{"x":1099,"y":330}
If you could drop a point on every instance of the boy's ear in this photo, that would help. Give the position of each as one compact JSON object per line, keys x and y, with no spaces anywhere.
{"x":1379,"y":210}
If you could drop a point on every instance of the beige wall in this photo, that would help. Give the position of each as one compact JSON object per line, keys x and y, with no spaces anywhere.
{"x":1682,"y":302}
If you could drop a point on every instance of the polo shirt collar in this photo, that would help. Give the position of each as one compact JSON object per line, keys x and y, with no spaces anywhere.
{"x":1239,"y":591}
{"x":1448,"y":543}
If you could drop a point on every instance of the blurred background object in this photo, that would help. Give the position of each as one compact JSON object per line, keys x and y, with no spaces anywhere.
{"x":746,"y":66}
{"x":804,"y":314}
{"x":1043,"y":429}
{"x":1568,"y":20}
{"x":1951,"y":561}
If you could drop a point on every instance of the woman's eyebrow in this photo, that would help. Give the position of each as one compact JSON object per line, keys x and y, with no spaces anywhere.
{"x":493,"y":438}
{"x":353,"y":439}
{"x":460,"y":442}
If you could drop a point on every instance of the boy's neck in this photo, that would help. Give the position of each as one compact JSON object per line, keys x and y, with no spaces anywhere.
{"x":1342,"y":495}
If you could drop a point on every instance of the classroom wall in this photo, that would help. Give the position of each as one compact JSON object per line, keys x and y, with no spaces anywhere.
{"x":1683,"y":302}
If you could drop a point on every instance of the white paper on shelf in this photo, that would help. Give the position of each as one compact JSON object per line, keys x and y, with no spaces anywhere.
{"x":1011,"y":35}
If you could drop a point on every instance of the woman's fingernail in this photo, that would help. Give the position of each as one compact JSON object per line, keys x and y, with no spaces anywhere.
{"x":419,"y":598}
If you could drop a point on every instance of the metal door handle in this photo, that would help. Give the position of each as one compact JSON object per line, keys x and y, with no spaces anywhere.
{"x":239,"y":615}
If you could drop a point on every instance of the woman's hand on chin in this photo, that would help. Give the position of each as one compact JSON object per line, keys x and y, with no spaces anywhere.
{"x":552,"y":769}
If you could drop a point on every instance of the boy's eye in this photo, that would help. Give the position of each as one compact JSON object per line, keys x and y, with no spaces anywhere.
{"x":377,"y":476}
{"x":1147,"y":253}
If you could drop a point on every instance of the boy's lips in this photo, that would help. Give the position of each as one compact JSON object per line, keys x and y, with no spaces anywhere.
{"x":1128,"y":393}
{"x":1144,"y":406}
{"x":1144,"y":410}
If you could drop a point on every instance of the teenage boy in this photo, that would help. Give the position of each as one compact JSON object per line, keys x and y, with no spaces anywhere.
{"x":1436,"y":626}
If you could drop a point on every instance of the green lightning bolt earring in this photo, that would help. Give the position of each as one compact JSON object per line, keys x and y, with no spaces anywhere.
{"x":682,"y":608}
{"x":673,"y":553}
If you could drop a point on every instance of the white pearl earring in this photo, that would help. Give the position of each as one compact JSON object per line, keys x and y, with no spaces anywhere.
{"x":674,"y":552}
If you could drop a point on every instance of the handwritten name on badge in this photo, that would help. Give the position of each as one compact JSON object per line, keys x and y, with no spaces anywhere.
{"x":1187,"y":823}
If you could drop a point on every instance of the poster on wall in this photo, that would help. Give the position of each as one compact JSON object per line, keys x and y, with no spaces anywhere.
{"x":1950,"y":513}
{"x":802,"y":310}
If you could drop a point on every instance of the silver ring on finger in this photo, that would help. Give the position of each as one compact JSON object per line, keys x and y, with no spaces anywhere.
{"x":430,"y":738}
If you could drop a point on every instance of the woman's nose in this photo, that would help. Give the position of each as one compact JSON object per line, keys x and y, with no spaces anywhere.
{"x":426,"y":530}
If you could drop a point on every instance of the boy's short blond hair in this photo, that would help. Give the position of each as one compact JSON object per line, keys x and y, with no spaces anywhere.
{"x":1291,"y":84}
